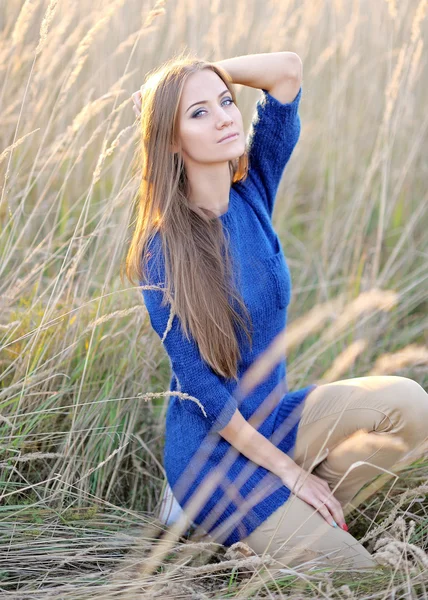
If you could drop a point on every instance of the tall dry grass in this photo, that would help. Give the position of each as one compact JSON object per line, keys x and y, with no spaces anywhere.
{"x":83,"y":377}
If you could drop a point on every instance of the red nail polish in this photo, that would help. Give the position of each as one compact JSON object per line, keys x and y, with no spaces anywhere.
{"x":345,"y":527}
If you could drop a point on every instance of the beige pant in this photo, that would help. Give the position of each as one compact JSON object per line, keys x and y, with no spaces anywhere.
{"x":378,"y":419}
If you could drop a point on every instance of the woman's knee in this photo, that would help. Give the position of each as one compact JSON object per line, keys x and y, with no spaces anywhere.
{"x":412,"y":397}
{"x":409,"y":401}
{"x":324,"y":546}
{"x":348,"y":557}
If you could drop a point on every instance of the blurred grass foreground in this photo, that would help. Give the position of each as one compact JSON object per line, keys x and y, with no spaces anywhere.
{"x":83,"y":376}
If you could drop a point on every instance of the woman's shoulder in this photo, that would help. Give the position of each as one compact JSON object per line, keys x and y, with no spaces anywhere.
{"x":273,"y":134}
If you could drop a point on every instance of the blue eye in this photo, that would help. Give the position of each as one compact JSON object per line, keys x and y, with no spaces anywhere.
{"x":197,"y":113}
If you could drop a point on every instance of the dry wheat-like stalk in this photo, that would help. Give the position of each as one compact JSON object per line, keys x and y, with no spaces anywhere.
{"x":16,"y":144}
{"x":417,"y":20}
{"x":23,"y":21}
{"x":103,"y":462}
{"x":349,"y":34}
{"x":90,"y":110}
{"x":104,"y":150}
{"x":157,"y":10}
{"x":4,"y":419}
{"x":324,"y":57}
{"x":44,"y":28}
{"x":367,"y":301}
{"x":82,"y":50}
{"x":390,"y":550}
{"x":55,"y":56}
{"x":97,"y":130}
{"x":97,"y":171}
{"x":117,"y":313}
{"x":391,"y":91}
{"x":10,"y":325}
{"x":22,"y":283}
{"x":31,"y":456}
{"x":131,"y":40}
{"x":117,"y":139}
{"x":411,"y":355}
{"x":415,"y":63}
{"x":183,"y":395}
{"x":394,"y":553}
{"x":344,"y":361}
{"x":178,"y":571}
{"x":398,"y":503}
{"x":311,"y":322}
{"x":392,"y":8}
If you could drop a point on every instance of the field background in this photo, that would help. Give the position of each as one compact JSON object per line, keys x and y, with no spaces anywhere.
{"x":83,"y":376}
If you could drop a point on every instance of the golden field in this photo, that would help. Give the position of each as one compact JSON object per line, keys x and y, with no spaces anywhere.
{"x":83,"y":376}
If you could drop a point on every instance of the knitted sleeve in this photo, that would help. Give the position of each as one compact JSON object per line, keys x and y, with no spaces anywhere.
{"x":273,"y":134}
{"x":195,"y":376}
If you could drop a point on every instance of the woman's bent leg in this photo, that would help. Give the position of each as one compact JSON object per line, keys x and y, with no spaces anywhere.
{"x":295,"y":534}
{"x":381,"y":420}
{"x":378,"y":419}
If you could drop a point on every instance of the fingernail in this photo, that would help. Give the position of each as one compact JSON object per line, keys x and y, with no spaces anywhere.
{"x":345,"y":527}
{"x":334,"y":524}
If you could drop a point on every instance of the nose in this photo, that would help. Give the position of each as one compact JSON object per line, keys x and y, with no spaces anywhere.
{"x":224,"y":120}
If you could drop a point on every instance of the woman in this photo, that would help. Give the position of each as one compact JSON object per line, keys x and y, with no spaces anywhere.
{"x":273,"y":468}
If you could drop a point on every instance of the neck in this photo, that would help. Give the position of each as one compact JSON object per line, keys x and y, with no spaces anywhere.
{"x":209,"y":187}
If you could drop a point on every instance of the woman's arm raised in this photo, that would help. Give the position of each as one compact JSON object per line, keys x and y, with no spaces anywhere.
{"x":276,"y":72}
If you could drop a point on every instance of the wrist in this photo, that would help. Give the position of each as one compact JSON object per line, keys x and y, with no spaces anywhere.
{"x":287,"y":468}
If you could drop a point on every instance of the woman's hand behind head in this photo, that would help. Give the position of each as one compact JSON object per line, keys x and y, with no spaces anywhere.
{"x":136,"y":97}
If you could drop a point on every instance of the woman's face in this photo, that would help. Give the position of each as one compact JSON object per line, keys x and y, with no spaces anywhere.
{"x":206,"y":114}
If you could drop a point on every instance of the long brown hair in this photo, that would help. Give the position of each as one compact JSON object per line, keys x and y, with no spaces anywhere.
{"x":198,"y":280}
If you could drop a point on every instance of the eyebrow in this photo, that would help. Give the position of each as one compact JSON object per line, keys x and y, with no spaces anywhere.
{"x":205,"y":101}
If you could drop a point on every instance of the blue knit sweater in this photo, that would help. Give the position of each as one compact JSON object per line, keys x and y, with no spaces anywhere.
{"x":244,"y":494}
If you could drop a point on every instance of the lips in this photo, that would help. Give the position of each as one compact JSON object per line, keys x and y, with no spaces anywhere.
{"x":228,"y":136}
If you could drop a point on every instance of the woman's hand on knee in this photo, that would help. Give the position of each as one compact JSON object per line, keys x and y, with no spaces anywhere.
{"x":316,"y":492}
